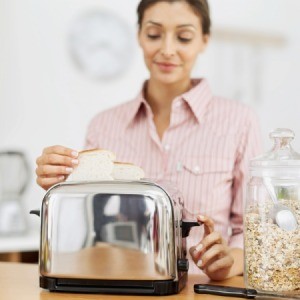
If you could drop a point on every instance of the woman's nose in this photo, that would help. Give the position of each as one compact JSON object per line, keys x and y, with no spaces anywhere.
{"x":168,"y":47}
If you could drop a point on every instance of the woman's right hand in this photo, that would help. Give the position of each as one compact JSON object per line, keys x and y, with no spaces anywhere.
{"x":54,"y":165}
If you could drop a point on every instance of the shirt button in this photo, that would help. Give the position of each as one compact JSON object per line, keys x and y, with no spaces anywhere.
{"x":197,"y":169}
{"x":167,"y":147}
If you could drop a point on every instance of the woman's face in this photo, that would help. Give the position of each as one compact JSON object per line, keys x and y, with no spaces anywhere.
{"x":171,"y":38}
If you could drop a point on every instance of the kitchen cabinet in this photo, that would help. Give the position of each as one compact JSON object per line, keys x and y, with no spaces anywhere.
{"x":22,"y":248}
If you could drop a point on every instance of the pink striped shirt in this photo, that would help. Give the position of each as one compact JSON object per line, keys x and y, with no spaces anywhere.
{"x":205,"y":152}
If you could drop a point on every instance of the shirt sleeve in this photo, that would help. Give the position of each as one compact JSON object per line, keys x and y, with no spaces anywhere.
{"x":250,"y":146}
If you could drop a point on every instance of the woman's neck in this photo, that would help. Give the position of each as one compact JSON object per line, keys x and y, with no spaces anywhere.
{"x":160,"y":96}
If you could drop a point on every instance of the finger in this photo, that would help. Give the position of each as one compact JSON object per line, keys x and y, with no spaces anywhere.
{"x":219,"y":264}
{"x":209,"y":225}
{"x":210,"y":237}
{"x":57,"y":149}
{"x":209,"y":240}
{"x":57,"y":155}
{"x":195,"y":254}
{"x":47,"y":182}
{"x":216,"y":252}
{"x":59,"y":160}
{"x":52,"y":171}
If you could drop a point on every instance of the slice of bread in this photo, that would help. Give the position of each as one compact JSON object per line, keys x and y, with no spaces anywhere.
{"x":127,"y":171}
{"x":94,"y":165}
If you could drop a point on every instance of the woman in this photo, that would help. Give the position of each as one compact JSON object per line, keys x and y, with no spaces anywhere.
{"x":177,"y":130}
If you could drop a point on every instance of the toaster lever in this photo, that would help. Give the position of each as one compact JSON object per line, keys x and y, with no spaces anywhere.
{"x":35,"y":212}
{"x":186,"y":227}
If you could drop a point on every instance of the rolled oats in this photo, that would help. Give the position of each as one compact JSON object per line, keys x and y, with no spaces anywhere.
{"x":272,"y":254}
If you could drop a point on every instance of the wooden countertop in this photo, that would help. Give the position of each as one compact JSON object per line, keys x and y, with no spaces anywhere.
{"x":21,"y":281}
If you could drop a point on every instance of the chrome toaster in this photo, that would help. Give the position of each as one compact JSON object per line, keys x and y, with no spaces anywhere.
{"x":122,"y":237}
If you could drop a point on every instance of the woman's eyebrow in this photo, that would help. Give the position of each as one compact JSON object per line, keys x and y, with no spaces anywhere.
{"x":186,"y":25}
{"x":178,"y":26}
{"x":153,"y":23}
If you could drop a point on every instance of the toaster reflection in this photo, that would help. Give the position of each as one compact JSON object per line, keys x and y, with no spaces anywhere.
{"x":110,"y":236}
{"x":122,"y":220}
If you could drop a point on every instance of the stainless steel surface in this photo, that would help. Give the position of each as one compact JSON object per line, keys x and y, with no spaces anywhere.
{"x":89,"y":230}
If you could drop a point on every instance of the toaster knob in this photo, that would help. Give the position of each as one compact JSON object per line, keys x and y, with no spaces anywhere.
{"x":183,"y":265}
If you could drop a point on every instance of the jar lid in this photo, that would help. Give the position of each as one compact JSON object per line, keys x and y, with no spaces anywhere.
{"x":282,"y":156}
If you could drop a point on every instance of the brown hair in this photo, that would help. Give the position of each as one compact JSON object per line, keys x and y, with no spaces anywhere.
{"x":200,"y":7}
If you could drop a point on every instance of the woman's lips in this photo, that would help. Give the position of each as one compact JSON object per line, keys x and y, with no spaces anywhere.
{"x":166,"y":67}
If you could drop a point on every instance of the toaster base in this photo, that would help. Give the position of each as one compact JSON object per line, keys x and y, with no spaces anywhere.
{"x":129,"y":287}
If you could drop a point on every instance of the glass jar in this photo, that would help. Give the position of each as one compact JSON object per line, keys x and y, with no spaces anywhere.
{"x":272,"y":219}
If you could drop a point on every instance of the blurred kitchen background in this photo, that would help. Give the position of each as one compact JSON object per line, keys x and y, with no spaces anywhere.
{"x":62,"y":61}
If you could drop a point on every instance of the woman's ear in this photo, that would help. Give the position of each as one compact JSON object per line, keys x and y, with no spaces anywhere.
{"x":205,"y":39}
{"x":138,"y":36}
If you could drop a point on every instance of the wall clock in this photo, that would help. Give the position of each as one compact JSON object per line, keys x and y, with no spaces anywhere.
{"x":101,"y":44}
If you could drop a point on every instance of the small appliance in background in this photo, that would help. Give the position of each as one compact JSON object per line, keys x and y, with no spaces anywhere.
{"x":121,"y":237}
{"x":14,"y":178}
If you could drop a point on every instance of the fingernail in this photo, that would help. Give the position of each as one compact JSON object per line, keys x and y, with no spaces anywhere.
{"x":202,"y":218}
{"x":75,"y":161}
{"x":74,"y":154}
{"x":69,"y":170}
{"x":61,"y":177}
{"x":199,"y":263}
{"x":199,"y":248}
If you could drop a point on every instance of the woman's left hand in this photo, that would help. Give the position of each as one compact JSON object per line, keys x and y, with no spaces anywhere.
{"x":212,"y":254}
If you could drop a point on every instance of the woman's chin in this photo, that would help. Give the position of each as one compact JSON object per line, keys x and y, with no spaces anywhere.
{"x":166,"y":78}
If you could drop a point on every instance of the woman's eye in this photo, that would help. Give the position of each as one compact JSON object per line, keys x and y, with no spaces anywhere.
{"x":153,"y":36}
{"x":184,"y":40}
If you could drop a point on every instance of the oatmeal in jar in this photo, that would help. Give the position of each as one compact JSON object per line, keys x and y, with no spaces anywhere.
{"x":272,"y":219}
{"x":272,"y":254}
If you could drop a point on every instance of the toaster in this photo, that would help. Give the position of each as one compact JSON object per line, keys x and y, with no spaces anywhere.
{"x":120,"y":237}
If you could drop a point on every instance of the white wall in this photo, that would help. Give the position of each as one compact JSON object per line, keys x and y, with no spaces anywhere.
{"x":279,"y":66}
{"x":45,"y":99}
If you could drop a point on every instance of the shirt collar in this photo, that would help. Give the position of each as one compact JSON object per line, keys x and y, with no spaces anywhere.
{"x":197,"y":98}
{"x":137,"y":105}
